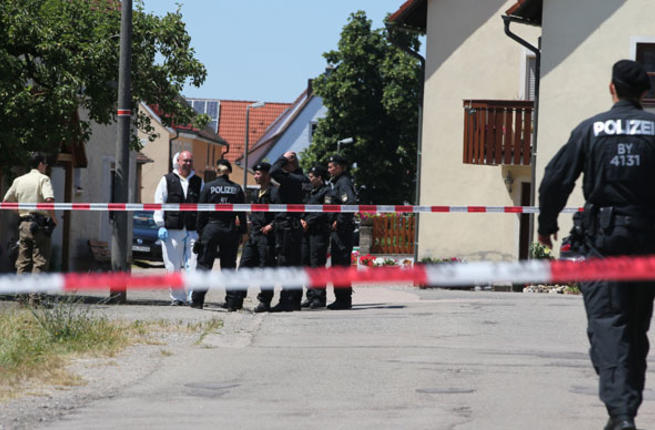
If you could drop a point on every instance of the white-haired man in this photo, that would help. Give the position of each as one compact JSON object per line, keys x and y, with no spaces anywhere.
{"x":177,"y":230}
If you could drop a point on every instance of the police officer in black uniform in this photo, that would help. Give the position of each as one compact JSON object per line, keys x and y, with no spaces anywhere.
{"x":316,"y":237}
{"x":288,"y":230}
{"x":343,"y":226}
{"x":616,"y":152}
{"x":219,"y":233}
{"x":259,"y":250}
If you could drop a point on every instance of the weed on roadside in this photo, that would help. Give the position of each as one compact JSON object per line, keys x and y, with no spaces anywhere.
{"x":206,"y":328}
{"x":37,"y":343}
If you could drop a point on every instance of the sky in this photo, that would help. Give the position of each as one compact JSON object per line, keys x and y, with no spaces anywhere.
{"x":265,"y":49}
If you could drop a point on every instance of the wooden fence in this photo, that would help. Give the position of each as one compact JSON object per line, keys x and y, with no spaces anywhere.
{"x":393,"y":234}
{"x":497,"y":132}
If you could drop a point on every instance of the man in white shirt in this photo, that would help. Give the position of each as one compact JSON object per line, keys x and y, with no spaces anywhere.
{"x":177,"y":230}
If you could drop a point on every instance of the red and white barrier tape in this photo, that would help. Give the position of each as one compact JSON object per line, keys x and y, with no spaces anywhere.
{"x":447,"y":274}
{"x":206,"y":207}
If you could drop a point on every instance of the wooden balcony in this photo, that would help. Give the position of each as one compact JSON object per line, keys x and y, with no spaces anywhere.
{"x":497,"y":132}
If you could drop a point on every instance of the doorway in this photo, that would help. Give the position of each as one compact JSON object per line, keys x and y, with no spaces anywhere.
{"x":524,"y":223}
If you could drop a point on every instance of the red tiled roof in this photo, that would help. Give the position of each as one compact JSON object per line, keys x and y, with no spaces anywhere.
{"x":206,"y":132}
{"x":413,"y":13}
{"x":232,"y":123}
{"x":278,"y":127}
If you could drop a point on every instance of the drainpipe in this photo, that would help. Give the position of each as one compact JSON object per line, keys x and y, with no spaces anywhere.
{"x":533,"y":156}
{"x":419,"y":135}
{"x":227,"y":145}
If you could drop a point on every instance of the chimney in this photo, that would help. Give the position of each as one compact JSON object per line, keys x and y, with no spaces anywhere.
{"x":310,"y":90}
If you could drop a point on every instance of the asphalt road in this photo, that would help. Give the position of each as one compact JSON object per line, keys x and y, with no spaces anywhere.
{"x":402,"y":358}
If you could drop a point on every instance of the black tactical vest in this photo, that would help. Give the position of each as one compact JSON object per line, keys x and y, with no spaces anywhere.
{"x":180,"y":220}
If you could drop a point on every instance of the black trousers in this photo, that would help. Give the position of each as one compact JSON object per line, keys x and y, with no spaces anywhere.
{"x":314,"y":254}
{"x":288,"y":243}
{"x":259,"y":251}
{"x":341,"y":248}
{"x":618,"y":319}
{"x":217,"y":241}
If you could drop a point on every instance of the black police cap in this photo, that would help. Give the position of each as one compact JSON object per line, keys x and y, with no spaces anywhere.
{"x":263,"y":166}
{"x":318,"y":171}
{"x":226,"y":163}
{"x":631,"y":75}
{"x":338,"y":159}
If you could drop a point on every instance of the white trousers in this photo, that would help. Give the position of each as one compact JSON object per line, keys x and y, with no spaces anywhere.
{"x":178,"y":255}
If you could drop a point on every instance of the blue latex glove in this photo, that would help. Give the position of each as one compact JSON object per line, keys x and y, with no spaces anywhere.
{"x":162,"y":233}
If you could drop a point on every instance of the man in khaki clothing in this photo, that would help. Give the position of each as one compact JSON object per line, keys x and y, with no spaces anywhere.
{"x":35,"y":226}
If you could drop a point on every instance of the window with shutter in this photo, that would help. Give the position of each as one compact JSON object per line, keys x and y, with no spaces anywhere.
{"x":530,"y":77}
{"x":646,"y":56}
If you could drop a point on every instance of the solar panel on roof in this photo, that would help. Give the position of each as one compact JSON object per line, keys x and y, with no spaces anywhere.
{"x":199,"y":106}
{"x":212,"y":109}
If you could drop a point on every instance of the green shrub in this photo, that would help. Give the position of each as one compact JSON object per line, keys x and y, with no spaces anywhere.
{"x":540,"y":251}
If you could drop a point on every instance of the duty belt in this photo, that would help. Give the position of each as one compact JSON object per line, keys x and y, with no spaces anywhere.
{"x":638,"y":222}
{"x":31,"y":217}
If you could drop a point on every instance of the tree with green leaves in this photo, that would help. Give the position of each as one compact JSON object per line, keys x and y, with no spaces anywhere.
{"x":58,"y":56}
{"x":371,"y":92}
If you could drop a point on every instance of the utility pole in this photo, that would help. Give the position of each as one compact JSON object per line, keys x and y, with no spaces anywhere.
{"x":122,"y":168}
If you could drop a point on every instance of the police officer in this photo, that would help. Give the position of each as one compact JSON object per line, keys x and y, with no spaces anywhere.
{"x":616,"y":152}
{"x":259,"y":250}
{"x":288,"y":230}
{"x":35,"y":226}
{"x":177,"y":230}
{"x":316,"y":238}
{"x":219,"y":234}
{"x":343,"y":226}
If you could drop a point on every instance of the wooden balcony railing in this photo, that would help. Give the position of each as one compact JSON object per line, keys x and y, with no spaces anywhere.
{"x":393,"y":234}
{"x":497,"y":132}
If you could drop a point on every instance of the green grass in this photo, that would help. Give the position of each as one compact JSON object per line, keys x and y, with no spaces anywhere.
{"x":37,"y":343}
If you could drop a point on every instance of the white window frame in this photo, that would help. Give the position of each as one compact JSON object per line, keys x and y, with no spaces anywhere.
{"x":523,"y":74}
{"x":634,"y":41}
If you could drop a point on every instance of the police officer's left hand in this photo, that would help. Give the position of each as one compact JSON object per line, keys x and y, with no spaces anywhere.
{"x":244,"y":238}
{"x":546,"y":240}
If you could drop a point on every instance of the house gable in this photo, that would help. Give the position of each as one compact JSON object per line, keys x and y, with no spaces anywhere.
{"x":288,"y":128}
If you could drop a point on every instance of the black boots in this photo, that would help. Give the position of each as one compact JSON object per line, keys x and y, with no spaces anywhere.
{"x":289,"y":301}
{"x":315,"y":298}
{"x":197,"y":299}
{"x":343,"y":300}
{"x":262,"y":307}
{"x":340,"y":304}
{"x":620,"y":423}
{"x":233,"y":303}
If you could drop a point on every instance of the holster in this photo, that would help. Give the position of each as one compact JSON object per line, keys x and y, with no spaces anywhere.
{"x":574,"y":246}
{"x":41,"y":223}
{"x":606,"y":218}
{"x":588,"y":219}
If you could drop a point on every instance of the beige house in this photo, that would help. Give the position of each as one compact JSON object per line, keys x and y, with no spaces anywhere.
{"x":81,"y":173}
{"x":478,"y":115}
{"x":205,"y":145}
{"x":87,"y":182}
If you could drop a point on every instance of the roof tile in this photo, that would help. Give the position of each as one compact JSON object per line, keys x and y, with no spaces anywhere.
{"x":232,"y":123}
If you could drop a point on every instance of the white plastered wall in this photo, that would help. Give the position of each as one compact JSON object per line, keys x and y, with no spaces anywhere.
{"x":157,"y":151}
{"x":468,"y":57}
